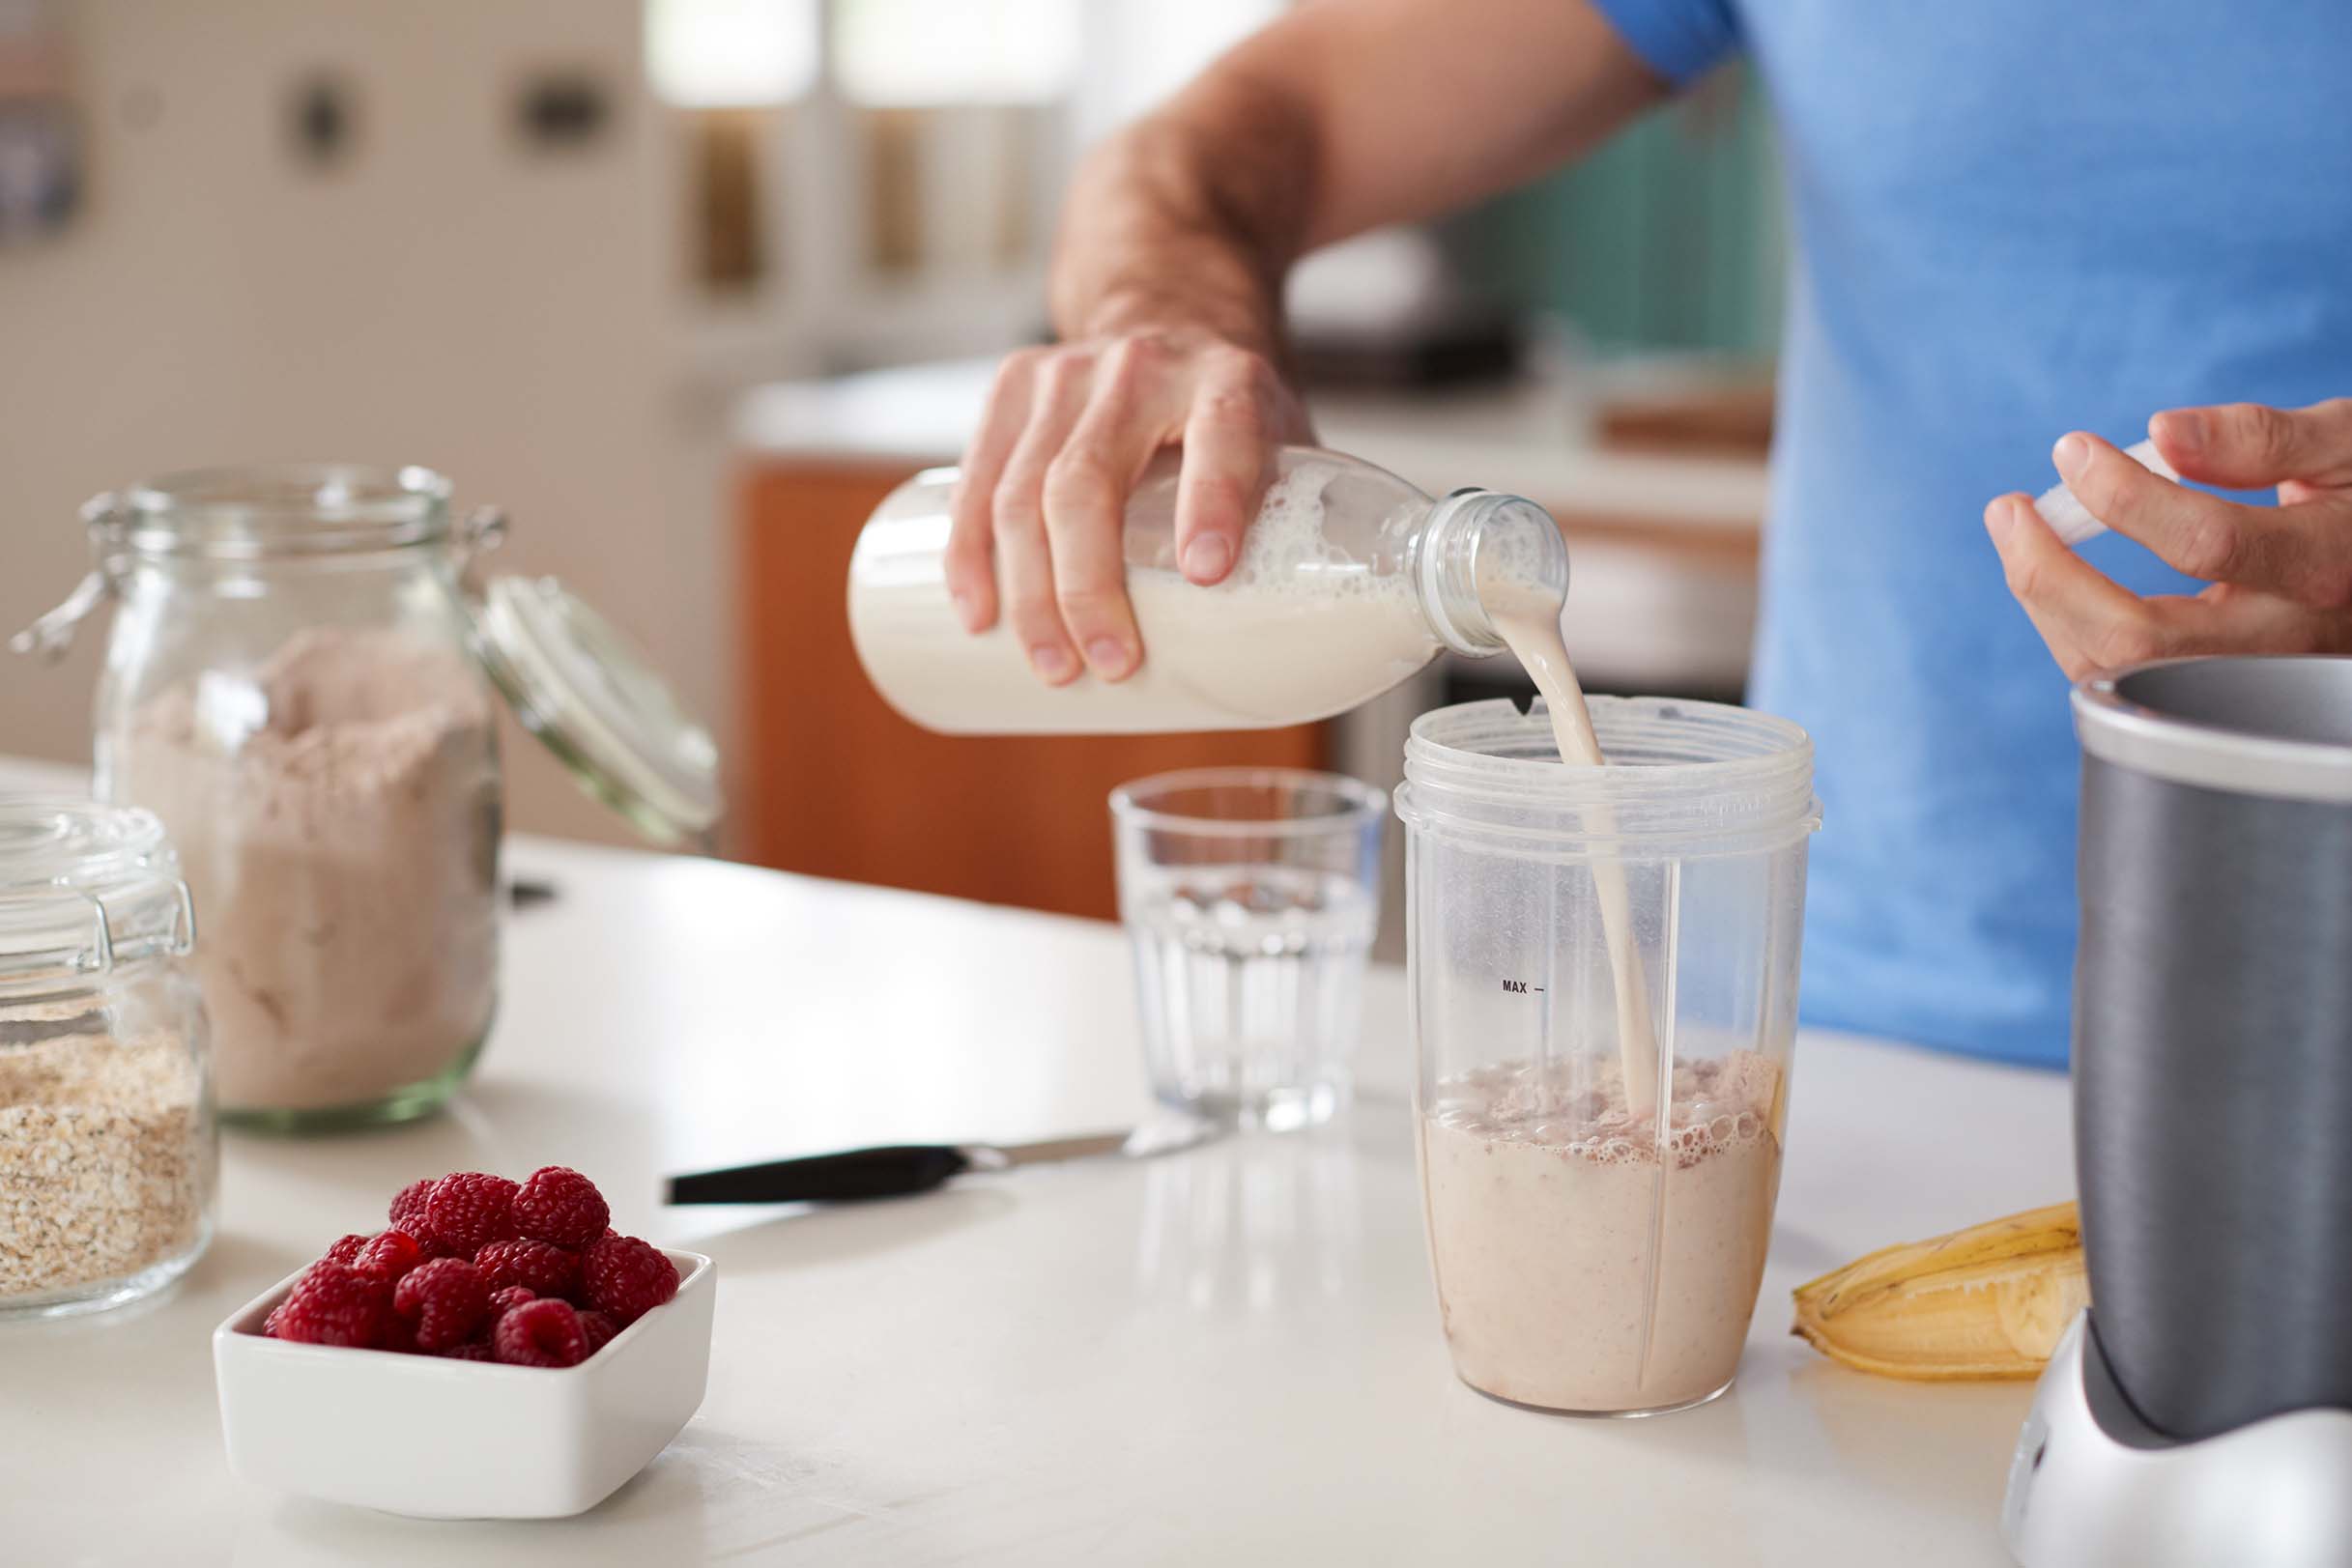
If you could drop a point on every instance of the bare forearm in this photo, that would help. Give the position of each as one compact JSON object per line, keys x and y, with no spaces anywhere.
{"x":1191,"y":217}
{"x":1167,"y":283}
{"x":1344,"y":115}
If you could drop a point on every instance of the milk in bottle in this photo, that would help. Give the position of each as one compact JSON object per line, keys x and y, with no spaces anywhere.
{"x":1349,"y":581}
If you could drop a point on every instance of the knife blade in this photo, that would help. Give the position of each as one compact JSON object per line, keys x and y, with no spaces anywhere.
{"x":900,"y":1170}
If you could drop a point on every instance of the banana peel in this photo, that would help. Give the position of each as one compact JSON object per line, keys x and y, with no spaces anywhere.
{"x":1987,"y":1302}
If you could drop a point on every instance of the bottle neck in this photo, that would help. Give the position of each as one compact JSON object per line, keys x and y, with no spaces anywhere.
{"x":1482,"y":558}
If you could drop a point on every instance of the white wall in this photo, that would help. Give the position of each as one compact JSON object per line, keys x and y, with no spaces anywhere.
{"x":451,"y":295}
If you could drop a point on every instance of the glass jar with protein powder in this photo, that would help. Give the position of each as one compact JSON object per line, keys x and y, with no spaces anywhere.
{"x":108,"y":1142}
{"x":301,"y":686}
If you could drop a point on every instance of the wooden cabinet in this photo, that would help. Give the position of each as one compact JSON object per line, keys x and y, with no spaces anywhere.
{"x":835,"y":784}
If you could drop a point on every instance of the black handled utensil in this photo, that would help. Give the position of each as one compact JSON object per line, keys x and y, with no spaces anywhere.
{"x":900,"y":1170}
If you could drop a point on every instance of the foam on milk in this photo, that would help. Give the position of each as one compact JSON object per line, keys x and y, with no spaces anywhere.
{"x":1285,"y":556}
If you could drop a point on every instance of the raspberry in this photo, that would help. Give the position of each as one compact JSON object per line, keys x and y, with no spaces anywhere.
{"x":347,"y":1250}
{"x":506,"y":1300}
{"x":548,"y":1271}
{"x":558,"y":1204}
{"x":469,"y":1211}
{"x":473,"y":1350}
{"x":408,"y":1207}
{"x":599,"y":1329}
{"x":541,"y":1334}
{"x":268,"y":1324}
{"x":332,"y":1304}
{"x":399,"y":1334}
{"x":626,"y":1279}
{"x":388,"y":1257}
{"x":445,"y":1299}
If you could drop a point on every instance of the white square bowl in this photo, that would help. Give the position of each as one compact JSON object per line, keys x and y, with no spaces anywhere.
{"x":438,"y":1438}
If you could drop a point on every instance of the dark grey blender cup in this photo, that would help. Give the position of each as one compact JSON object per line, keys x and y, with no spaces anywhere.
{"x":2213,"y":1036}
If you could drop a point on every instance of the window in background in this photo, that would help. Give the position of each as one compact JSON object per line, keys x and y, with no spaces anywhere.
{"x":875,"y":181}
{"x":731,"y":54}
{"x":921,"y":53}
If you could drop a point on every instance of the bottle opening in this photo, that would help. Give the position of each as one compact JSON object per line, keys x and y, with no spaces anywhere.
{"x":1487,"y":558}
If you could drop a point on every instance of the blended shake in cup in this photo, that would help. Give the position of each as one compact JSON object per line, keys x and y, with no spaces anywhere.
{"x":1582,"y":1263}
{"x":1600,"y":1208}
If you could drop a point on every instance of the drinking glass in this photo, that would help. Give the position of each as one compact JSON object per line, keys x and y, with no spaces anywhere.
{"x":1251,"y":896}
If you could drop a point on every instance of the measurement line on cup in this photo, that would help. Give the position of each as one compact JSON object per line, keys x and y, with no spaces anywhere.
{"x":1519,"y":987}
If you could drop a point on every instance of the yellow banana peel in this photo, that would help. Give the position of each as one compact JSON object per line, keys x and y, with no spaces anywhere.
{"x":1985,"y":1302}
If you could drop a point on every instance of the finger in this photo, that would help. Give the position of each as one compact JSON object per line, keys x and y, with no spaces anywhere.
{"x":2252,"y":446}
{"x":2304,"y":552}
{"x":970,"y":563}
{"x":1130,"y":415}
{"x":1024,"y":564}
{"x":1227,"y":456}
{"x":2226,"y":619}
{"x":2088,"y":621}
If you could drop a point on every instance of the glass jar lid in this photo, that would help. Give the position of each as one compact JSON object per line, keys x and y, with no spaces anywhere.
{"x":592,"y":698}
{"x":86,"y":889}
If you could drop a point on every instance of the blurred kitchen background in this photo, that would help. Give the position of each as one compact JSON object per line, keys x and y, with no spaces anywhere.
{"x":687,"y":285}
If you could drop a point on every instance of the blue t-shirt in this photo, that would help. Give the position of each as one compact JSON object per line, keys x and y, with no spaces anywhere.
{"x":2014,"y":219}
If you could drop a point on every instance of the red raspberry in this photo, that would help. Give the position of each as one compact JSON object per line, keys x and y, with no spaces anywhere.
{"x":470,"y":1210}
{"x":548,"y":1271}
{"x":445,"y":1299}
{"x":541,"y":1334}
{"x":473,"y":1350}
{"x":599,"y":1329}
{"x":408,"y":1207}
{"x":388,"y":1257}
{"x":626,"y":1279}
{"x":268,"y":1324}
{"x":399,"y":1334}
{"x":347,"y":1250}
{"x":332,"y":1304}
{"x":506,"y":1300}
{"x":558,"y":1204}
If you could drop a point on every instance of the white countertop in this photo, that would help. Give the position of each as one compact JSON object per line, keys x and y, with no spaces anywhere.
{"x":1227,"y":1355}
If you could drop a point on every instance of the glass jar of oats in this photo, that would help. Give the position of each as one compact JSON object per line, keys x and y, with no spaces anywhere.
{"x":108,"y":1142}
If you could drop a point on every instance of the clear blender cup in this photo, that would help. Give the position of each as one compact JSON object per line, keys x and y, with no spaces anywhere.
{"x":1593,"y":1255}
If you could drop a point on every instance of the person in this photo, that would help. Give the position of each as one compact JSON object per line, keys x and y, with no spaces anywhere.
{"x":2013,"y":219}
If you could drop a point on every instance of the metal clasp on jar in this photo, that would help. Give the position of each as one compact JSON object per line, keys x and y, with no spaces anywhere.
{"x":48,"y":637}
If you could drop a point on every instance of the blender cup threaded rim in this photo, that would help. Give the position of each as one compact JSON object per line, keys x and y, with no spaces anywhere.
{"x":1686,"y":778}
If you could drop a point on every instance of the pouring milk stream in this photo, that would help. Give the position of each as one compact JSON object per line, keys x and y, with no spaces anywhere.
{"x":1559,"y":1187}
{"x":1350,"y":580}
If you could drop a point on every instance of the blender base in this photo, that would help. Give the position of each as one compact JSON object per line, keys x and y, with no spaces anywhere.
{"x":2092,"y":1484}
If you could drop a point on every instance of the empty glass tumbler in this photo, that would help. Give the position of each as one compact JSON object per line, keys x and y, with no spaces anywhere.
{"x":1599,"y":1159}
{"x":1251,"y":896}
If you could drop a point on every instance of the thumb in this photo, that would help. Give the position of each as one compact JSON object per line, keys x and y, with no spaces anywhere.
{"x":2248,"y":446}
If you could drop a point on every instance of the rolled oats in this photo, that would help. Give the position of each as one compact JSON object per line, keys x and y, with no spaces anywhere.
{"x":103,"y":1159}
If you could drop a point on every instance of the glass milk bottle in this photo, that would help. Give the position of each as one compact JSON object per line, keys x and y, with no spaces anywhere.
{"x":1350,"y":580}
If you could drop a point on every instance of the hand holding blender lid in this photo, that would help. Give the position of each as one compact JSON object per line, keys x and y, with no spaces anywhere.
{"x":2071,"y":520}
